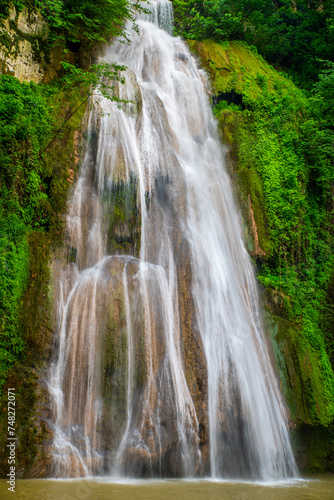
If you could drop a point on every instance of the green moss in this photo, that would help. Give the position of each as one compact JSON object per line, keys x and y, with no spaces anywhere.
{"x":234,"y":66}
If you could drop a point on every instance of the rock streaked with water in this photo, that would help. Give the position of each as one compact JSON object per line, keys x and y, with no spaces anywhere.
{"x":162,"y":367}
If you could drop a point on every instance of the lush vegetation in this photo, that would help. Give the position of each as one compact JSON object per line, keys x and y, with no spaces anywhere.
{"x":76,"y":23}
{"x":25,"y":121}
{"x":292,"y":35}
{"x":281,"y":139}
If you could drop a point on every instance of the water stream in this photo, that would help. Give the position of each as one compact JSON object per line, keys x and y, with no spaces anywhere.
{"x":161,"y":366}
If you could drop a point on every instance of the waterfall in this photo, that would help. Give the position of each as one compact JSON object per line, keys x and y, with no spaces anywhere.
{"x":161,"y":366}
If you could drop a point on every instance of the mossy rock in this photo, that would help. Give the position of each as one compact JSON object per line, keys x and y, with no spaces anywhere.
{"x":236,"y":66}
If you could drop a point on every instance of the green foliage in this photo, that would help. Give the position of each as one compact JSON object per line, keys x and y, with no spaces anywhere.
{"x":25,"y":122}
{"x":324,"y":96}
{"x":291,"y":35}
{"x":14,"y":267}
{"x":216,"y":19}
{"x":78,"y":22}
{"x":6,"y":4}
{"x":296,"y":195}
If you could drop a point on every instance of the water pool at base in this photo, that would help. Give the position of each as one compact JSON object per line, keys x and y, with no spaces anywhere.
{"x":316,"y":487}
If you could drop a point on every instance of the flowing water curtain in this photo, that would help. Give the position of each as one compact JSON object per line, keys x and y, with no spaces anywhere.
{"x":162,"y":367}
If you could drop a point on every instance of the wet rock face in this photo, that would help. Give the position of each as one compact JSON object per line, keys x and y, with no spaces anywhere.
{"x":22,"y":56}
{"x":132,"y":376}
{"x":125,"y":401}
{"x":122,"y":222}
{"x":193,"y":354}
{"x":161,"y":367}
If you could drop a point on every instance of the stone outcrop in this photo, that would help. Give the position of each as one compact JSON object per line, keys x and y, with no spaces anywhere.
{"x":21,"y":48}
{"x":24,"y":50}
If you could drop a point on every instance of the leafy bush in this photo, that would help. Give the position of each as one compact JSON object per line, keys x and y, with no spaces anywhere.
{"x":216,"y":19}
{"x":25,"y":123}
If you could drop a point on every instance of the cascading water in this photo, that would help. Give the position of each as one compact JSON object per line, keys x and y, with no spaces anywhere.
{"x":161,"y":367}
